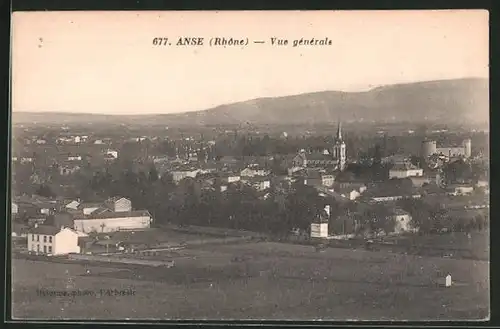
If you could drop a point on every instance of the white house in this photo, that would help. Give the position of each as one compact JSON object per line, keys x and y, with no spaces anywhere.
{"x":404,"y":170}
{"x":327,"y":180}
{"x":72,"y":205}
{"x":228,"y":178}
{"x":114,"y":221}
{"x":482,"y":183}
{"x":349,"y":193}
{"x":258,"y":183}
{"x":392,"y":197}
{"x":250,"y":172}
{"x":179,"y":175}
{"x":293,"y":170}
{"x":350,"y":190}
{"x":319,"y":230}
{"x":419,"y":181}
{"x":98,"y":142}
{"x":119,"y":204}
{"x":74,"y":158}
{"x":65,"y":169}
{"x":112,"y":153}
{"x":14,"y":208}
{"x":319,"y":227}
{"x":88,"y":207}
{"x":47,"y":208}
{"x":402,"y":221}
{"x":460,"y":189}
{"x":358,"y":186}
{"x":51,"y":240}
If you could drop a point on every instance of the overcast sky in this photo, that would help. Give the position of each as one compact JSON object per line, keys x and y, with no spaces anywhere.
{"x":105,"y":62}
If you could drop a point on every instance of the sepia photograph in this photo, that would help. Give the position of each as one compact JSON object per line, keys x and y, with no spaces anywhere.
{"x":250,"y":165}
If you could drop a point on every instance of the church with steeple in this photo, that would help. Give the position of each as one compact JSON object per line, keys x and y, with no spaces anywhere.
{"x":339,"y":149}
{"x":334,"y":158}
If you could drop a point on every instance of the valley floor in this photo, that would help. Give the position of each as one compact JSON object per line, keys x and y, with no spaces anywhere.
{"x":260,"y":281}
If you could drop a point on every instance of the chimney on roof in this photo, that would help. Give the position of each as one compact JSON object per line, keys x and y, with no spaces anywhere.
{"x":62,"y":227}
{"x":36,"y":225}
{"x":327,"y":210}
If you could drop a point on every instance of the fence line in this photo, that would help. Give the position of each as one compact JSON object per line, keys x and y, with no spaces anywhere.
{"x":107,"y":259}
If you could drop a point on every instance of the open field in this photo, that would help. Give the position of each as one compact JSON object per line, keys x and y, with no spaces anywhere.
{"x":451,"y":245}
{"x":267,"y":281}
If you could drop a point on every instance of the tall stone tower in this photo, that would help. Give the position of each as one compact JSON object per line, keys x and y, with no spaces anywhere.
{"x":467,"y":144}
{"x":428,"y":148}
{"x":339,"y":149}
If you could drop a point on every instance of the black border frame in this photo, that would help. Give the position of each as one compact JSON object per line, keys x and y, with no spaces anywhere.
{"x":64,"y":5}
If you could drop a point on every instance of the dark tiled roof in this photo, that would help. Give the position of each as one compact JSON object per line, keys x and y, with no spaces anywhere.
{"x":399,"y":212}
{"x":256,"y":179}
{"x":74,"y":212}
{"x":228,"y":174}
{"x":85,"y":239}
{"x":114,"y":199}
{"x":101,"y":210}
{"x":66,"y":202}
{"x":120,"y":214}
{"x":404,"y":166}
{"x":319,"y":156}
{"x":20,"y":228}
{"x":89,"y":205}
{"x":45,"y":230}
{"x":345,"y":190}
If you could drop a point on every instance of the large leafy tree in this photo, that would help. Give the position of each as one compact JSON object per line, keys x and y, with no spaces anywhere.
{"x":45,"y":191}
{"x":303,"y":206}
{"x":420,"y":213}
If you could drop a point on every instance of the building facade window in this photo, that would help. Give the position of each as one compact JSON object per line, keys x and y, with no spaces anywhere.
{"x":50,"y":249}
{"x":32,"y":237}
{"x":50,"y":239}
{"x":37,"y":248}
{"x":44,"y":238}
{"x":37,"y":238}
{"x":44,"y":249}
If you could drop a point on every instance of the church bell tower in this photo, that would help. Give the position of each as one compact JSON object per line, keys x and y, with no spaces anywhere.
{"x":339,"y":149}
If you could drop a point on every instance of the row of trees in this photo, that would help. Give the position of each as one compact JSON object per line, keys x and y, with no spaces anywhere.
{"x":251,"y":145}
{"x":240,"y":207}
{"x":434,"y":218}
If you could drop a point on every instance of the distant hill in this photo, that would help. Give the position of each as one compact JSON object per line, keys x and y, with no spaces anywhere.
{"x":445,"y":101}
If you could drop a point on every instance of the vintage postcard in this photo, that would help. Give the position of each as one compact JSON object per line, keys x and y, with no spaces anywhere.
{"x":253,"y":165}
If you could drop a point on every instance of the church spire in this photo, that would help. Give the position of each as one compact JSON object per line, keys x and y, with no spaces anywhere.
{"x":339,"y":131}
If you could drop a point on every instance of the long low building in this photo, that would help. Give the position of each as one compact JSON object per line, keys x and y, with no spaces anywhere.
{"x":404,"y":170}
{"x":114,"y":221}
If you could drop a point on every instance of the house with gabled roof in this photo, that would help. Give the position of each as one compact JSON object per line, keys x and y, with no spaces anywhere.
{"x":51,"y":240}
{"x":259,"y":183}
{"x":89,"y":207}
{"x":118,"y":204}
{"x":406,"y":169}
{"x":14,"y":208}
